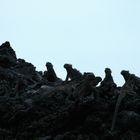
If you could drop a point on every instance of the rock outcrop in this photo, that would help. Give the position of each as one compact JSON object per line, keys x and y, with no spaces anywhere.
{"x":33,"y":107}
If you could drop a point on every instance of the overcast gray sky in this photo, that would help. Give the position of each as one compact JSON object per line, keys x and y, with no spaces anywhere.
{"x":90,"y":34}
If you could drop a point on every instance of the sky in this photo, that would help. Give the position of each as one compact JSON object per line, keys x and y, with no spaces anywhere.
{"x":89,"y":34}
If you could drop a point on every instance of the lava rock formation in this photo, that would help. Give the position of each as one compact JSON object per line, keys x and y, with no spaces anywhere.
{"x":37,"y":105}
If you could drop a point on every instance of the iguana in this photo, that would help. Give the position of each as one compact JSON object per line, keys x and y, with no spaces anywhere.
{"x":126,"y":88}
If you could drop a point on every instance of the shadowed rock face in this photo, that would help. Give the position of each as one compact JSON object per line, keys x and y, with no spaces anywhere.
{"x":33,"y":107}
{"x":5,"y":49}
{"x":7,"y":55}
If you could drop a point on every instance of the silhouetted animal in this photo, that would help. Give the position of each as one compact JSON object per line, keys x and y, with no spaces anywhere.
{"x":135,"y":81}
{"x":125,"y":74}
{"x":125,"y":89}
{"x":50,"y":74}
{"x":87,"y":86}
{"x":107,"y":85}
{"x":73,"y":74}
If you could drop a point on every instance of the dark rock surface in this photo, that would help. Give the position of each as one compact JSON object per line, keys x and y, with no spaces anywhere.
{"x":35,"y":106}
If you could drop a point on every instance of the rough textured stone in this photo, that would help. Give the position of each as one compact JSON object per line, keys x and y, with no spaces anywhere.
{"x":35,"y":108}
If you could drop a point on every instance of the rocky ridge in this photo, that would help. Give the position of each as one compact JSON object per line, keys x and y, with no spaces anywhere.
{"x":38,"y":105}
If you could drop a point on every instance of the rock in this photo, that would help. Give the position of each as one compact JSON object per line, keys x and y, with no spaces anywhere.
{"x":45,"y":138}
{"x":35,"y":108}
{"x":59,"y":137}
{"x":6,"y":49}
{"x":7,"y":55}
{"x":128,"y":120}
